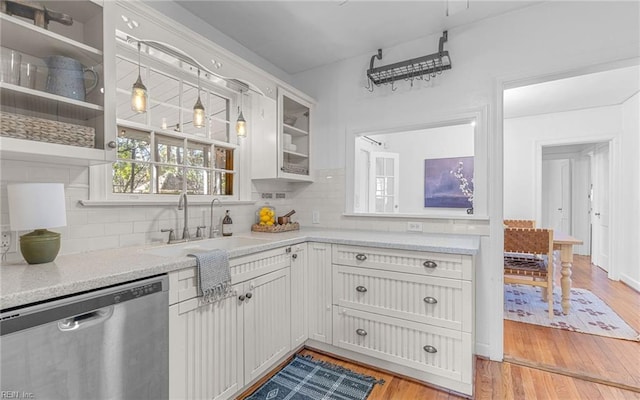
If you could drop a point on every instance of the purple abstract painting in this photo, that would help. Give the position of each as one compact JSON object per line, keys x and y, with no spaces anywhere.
{"x":448,"y":182}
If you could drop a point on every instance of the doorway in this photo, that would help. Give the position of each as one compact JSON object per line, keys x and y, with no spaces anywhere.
{"x":558,"y":163}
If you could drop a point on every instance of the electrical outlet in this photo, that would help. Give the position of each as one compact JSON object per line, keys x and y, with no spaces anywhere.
{"x":315,"y":217}
{"x":280,"y":195}
{"x":7,"y":240}
{"x":414,"y":226}
{"x":267,"y":195}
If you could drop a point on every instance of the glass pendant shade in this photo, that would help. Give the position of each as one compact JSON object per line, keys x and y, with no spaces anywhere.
{"x":139,"y":92}
{"x":198,"y":109}
{"x":198,"y":114}
{"x":241,"y":126}
{"x":139,"y":96}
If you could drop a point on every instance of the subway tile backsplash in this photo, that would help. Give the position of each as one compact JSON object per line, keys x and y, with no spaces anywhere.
{"x":96,"y":228}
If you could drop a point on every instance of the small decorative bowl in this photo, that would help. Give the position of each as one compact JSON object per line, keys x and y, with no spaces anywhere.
{"x":290,"y":119}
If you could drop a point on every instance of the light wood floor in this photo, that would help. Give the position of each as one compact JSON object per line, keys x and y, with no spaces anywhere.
{"x":594,"y":357}
{"x":494,"y":380}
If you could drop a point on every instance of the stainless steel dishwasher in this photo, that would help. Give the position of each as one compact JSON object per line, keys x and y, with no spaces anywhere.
{"x":105,"y":344}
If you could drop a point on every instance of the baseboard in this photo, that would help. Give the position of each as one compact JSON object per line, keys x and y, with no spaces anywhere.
{"x":483,"y":350}
{"x":629,"y":281}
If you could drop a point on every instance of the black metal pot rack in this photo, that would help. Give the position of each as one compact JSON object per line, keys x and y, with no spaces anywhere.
{"x":421,"y":68}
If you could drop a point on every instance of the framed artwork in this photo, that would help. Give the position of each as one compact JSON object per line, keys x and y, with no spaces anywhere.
{"x":448,"y":182}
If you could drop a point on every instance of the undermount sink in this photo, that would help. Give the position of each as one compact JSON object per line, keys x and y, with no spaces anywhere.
{"x":226,"y":243}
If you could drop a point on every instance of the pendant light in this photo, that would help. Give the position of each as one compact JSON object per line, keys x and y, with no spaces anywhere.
{"x":241,"y":125}
{"x":139,"y":92}
{"x":198,"y":109}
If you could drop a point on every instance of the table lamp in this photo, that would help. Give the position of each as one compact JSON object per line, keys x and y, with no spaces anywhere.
{"x":37,"y":206}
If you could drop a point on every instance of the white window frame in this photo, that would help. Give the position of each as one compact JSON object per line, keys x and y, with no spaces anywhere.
{"x":100,"y":186}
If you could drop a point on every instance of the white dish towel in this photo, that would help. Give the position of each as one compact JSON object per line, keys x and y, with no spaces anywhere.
{"x":214,"y":274}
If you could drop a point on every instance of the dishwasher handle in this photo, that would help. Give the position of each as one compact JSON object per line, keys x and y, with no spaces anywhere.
{"x":86,"y":320}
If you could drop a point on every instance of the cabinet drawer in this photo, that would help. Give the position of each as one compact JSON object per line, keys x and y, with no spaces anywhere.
{"x":443,"y":265}
{"x":183,"y":284}
{"x":438,"y":351}
{"x":438,"y":301}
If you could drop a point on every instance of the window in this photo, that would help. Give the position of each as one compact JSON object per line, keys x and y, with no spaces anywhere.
{"x":151,"y":162}
{"x":160,"y":152}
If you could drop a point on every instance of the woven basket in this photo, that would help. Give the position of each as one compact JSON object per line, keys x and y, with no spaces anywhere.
{"x":295,"y":169}
{"x":292,"y":226}
{"x":45,"y":130}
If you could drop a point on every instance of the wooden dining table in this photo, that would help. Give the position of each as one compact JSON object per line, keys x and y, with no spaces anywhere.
{"x":564,"y":243}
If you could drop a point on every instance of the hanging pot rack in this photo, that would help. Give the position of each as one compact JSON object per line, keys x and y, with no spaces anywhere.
{"x":421,"y":68}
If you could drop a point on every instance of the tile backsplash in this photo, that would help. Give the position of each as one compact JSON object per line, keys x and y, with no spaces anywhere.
{"x":104,"y":227}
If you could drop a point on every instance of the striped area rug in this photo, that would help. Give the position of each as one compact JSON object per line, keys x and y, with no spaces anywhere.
{"x":307,"y":379}
{"x":589,"y":314}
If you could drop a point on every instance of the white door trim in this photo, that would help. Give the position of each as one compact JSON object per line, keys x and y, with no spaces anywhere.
{"x":496,"y":190}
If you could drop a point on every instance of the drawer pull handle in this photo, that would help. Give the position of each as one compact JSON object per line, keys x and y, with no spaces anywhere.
{"x":361,"y":332}
{"x":430,"y":264}
{"x":430,"y":300}
{"x":241,"y":297}
{"x":361,"y":257}
{"x":430,"y":349}
{"x":361,"y":289}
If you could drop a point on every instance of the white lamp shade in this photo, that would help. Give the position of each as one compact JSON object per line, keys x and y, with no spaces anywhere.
{"x":36,"y":206}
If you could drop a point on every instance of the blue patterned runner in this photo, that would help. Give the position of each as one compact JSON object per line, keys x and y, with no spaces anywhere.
{"x":307,"y":379}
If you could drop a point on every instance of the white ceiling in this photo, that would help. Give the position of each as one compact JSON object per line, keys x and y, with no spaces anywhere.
{"x":300,"y":35}
{"x":584,"y":91}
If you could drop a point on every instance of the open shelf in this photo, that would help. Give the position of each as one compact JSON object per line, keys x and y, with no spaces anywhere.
{"x":19,"y":97}
{"x":38,"y":42}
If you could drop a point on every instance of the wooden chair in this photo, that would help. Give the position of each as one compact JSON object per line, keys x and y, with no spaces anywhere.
{"x":519,"y":223}
{"x":529,"y":260}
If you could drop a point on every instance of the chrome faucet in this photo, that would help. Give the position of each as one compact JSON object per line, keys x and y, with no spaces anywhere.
{"x":214,"y":230}
{"x":182,"y":204}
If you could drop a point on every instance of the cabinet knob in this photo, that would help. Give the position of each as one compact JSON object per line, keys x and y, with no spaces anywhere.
{"x":241,"y":297}
{"x":294,"y":256}
{"x":430,"y":349}
{"x":361,"y":332}
{"x":361,"y":257}
{"x":361,"y":289}
{"x":430,"y":300}
{"x":249,"y":295}
{"x":430,"y":264}
{"x":112,"y":145}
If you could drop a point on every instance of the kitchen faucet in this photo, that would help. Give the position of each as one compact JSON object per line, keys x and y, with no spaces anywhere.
{"x":214,"y":229}
{"x":182,"y":204}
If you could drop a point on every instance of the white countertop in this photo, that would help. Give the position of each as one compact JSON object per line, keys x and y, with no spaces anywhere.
{"x":23,"y":284}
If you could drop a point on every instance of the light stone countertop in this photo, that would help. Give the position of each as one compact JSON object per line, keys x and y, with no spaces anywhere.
{"x":23,"y":284}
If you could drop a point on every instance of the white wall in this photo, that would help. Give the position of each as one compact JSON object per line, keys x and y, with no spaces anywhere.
{"x":414,"y":147}
{"x":547,"y":38}
{"x":629,"y":210}
{"x":524,"y":136}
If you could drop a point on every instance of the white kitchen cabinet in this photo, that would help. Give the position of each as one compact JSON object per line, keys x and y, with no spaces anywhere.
{"x":206,"y":348}
{"x":438,"y":351}
{"x":31,"y":116}
{"x":216,"y":349}
{"x":319,"y":292}
{"x":299,"y":295}
{"x":267,"y":316}
{"x":411,"y":308}
{"x":282,"y":150}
